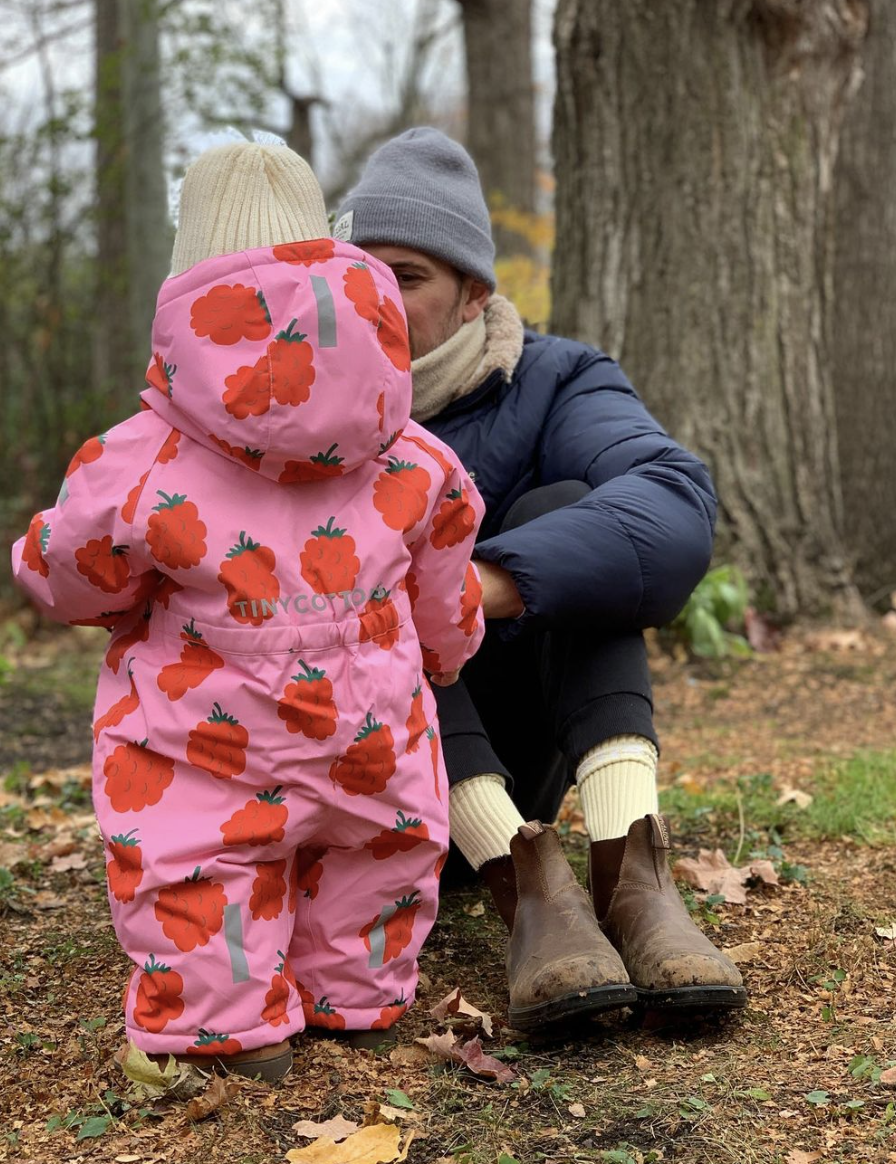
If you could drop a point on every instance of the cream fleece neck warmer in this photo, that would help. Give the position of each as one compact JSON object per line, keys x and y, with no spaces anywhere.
{"x":492,"y":341}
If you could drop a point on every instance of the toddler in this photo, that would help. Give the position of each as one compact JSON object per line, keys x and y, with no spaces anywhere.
{"x":282,"y":554}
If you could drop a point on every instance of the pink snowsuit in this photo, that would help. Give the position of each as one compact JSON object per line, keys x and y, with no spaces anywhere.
{"x":272,"y":539}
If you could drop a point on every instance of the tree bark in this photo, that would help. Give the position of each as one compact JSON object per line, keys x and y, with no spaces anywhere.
{"x":501,"y":106}
{"x":695,"y":145}
{"x":864,"y":351}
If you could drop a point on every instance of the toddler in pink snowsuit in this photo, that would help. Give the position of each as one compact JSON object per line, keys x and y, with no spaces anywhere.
{"x":273,"y":541}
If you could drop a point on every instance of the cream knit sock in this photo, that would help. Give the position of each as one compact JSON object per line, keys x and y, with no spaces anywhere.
{"x":483,"y":818}
{"x":617,"y":785}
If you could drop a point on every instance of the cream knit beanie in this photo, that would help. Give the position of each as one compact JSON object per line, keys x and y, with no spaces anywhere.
{"x":244,"y":195}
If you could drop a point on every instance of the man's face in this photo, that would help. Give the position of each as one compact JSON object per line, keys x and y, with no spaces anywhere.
{"x":437,"y":298}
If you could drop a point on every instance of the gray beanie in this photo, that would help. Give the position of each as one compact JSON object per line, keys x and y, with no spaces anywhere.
{"x":421,"y":190}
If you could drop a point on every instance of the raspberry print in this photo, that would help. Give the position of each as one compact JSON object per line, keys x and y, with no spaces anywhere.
{"x":390,"y":1014}
{"x":434,"y":756}
{"x":168,"y":451}
{"x":158,"y":996}
{"x":454,"y":522}
{"x":329,"y":563}
{"x":400,"y":494}
{"x":129,"y":509}
{"x":210,"y":1043}
{"x":406,"y":835}
{"x":320,"y":467}
{"x":360,"y":289}
{"x":120,"y":647}
{"x":268,"y":890}
{"x":437,"y":455}
{"x":391,"y":931}
{"x":412,"y":588}
{"x":117,"y":712}
{"x":218,"y":744}
{"x":160,"y":375}
{"x":197,"y":662}
{"x":432,"y":664}
{"x":369,"y":762}
{"x":275,"y":1000}
{"x":167,"y":587}
{"x":191,"y":912}
{"x":308,"y":883}
{"x":104,"y":565}
{"x":136,"y":777}
{"x":470,"y":598}
{"x":125,"y":871}
{"x":35,"y":546}
{"x":307,"y":705}
{"x":176,"y":533}
{"x":305,"y":874}
{"x":379,"y":620}
{"x":392,"y":334}
{"x":416,"y":722}
{"x":305,"y":254}
{"x":229,"y":314}
{"x":251,"y":458}
{"x":323,"y":1015}
{"x":285,"y":373}
{"x":259,"y":822}
{"x":89,"y":452}
{"x":247,"y":573}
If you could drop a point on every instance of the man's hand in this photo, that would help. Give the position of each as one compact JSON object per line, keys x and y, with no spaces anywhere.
{"x":500,"y":597}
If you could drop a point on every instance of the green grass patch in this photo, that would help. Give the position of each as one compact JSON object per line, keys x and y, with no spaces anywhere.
{"x":855,"y":798}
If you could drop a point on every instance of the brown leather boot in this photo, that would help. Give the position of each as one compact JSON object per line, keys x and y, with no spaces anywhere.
{"x":500,"y":877}
{"x":270,"y":1064}
{"x":670,"y":962}
{"x":559,"y":964}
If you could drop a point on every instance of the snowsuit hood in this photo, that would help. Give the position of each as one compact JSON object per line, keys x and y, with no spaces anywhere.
{"x":291,"y":360}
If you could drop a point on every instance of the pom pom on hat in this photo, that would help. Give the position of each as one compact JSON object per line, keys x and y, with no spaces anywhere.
{"x":244,"y":195}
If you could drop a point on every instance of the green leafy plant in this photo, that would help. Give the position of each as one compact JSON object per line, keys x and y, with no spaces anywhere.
{"x":831,"y":983}
{"x":711,"y":622}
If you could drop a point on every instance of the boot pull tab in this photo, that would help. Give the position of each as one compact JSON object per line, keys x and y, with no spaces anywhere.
{"x":531,"y":829}
{"x":661,"y":838}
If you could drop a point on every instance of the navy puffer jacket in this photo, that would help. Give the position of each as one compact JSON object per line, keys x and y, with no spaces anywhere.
{"x":632,"y":550}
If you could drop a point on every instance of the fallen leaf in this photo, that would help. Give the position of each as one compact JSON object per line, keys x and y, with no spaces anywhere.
{"x":714,"y":873}
{"x":577,"y":1110}
{"x":745,"y":953}
{"x":476,"y":910}
{"x":764,"y":870}
{"x":218,"y":1092}
{"x":410,"y":1055}
{"x":474,"y":1058}
{"x":150,"y":1081}
{"x":642,"y":1063}
{"x":378,"y":1144}
{"x":836,"y":640}
{"x":396,"y":1113}
{"x":888,"y":1077}
{"x":888,"y":932}
{"x":11,"y":853}
{"x":337,"y":1128}
{"x":442,"y":1046}
{"x":67,"y":864}
{"x":455,"y":1004}
{"x":796,"y":796}
{"x":762,"y":635}
{"x":798,"y":1156}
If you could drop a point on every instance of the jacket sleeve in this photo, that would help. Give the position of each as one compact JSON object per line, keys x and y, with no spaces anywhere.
{"x":442,"y":582}
{"x":81,"y":561}
{"x":630,"y":552}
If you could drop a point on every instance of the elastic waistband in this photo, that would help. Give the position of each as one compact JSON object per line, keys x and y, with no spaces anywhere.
{"x":302,"y":622}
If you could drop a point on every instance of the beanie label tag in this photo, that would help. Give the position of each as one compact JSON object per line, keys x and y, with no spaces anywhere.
{"x":342,"y":231}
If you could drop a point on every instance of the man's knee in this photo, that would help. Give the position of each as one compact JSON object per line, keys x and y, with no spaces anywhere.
{"x":545,"y":499}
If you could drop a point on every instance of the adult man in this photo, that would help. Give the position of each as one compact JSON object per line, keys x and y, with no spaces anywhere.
{"x":598,"y":524}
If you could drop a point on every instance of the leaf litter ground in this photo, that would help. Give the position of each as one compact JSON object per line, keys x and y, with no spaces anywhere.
{"x":797,"y":1079}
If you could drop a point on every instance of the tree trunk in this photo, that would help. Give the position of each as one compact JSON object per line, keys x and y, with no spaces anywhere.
{"x":111,"y":358}
{"x":149,"y":233}
{"x":695,"y":144}
{"x":864,"y":351}
{"x":501,"y":107}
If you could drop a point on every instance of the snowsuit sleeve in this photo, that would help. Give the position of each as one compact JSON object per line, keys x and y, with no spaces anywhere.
{"x":632,"y":550}
{"x":82,"y":561}
{"x":444,"y":585}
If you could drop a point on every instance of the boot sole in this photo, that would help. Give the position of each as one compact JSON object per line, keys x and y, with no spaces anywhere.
{"x":582,"y":1002}
{"x":693,"y":998}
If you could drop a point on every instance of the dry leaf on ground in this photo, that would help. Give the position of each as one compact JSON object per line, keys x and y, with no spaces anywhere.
{"x":887,"y":932}
{"x":470,"y":1054}
{"x":68,"y":864}
{"x":149,"y":1081}
{"x":796,"y":796}
{"x":476,"y":910}
{"x":337,"y":1128}
{"x":577,"y":1110}
{"x":745,"y":953}
{"x":798,"y":1156}
{"x":455,"y":1004}
{"x":762,"y":635}
{"x":218,"y":1092}
{"x":714,"y":873}
{"x":377,"y":1144}
{"x":888,"y":1077}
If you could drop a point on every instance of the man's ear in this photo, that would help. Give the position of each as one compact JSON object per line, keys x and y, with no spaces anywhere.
{"x":475,"y":299}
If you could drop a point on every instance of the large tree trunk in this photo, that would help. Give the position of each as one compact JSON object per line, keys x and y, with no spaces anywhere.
{"x":501,"y":106}
{"x":133,"y":231}
{"x":695,"y":144}
{"x":864,"y":349}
